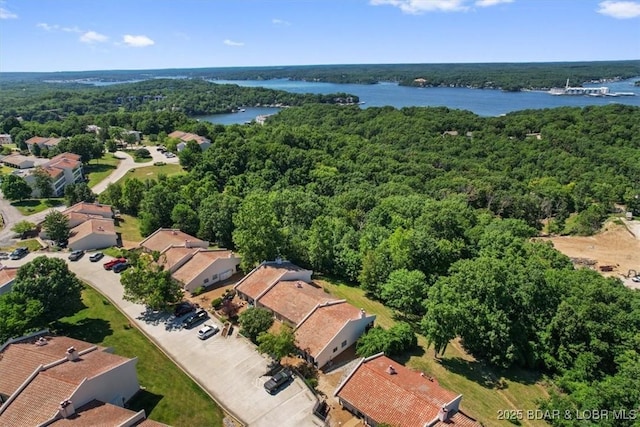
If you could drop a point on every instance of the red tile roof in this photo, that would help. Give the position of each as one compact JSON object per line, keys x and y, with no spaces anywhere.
{"x":7,"y":274}
{"x":92,"y":226}
{"x":317,"y":330}
{"x":261,"y":278}
{"x":40,"y":140}
{"x":53,"y":172}
{"x":186,"y":136}
{"x":70,"y":156}
{"x":294,"y":299}
{"x":96,"y":414}
{"x":163,"y":238}
{"x":173,"y":255}
{"x":387,"y":392}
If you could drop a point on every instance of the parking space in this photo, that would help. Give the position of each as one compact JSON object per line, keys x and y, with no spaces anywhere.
{"x":230,"y":368}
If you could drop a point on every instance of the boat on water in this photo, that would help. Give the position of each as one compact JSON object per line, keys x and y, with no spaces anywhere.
{"x":587,"y":91}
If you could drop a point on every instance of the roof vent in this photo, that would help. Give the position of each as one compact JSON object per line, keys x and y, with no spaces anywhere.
{"x":41,"y":341}
{"x":299,"y":285}
{"x":363,"y":313}
{"x":66,"y":409}
{"x":174,"y":232}
{"x":443,"y":414}
{"x":391,"y":370}
{"x":72,"y":354}
{"x":278,"y":260}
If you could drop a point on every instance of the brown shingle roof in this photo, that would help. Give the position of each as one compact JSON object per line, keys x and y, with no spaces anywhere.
{"x":163,"y":238}
{"x":265,"y":275}
{"x":41,"y":397}
{"x":43,"y":140}
{"x":7,"y":274}
{"x":201,"y":260}
{"x":19,"y":360}
{"x":186,"y":136}
{"x":66,"y":155}
{"x":104,"y":211}
{"x":64,"y":163}
{"x":96,"y":414}
{"x":294,"y":299}
{"x":403,"y":399}
{"x":173,"y":255}
{"x":317,"y":330}
{"x":92,"y":226}
{"x":53,"y":172}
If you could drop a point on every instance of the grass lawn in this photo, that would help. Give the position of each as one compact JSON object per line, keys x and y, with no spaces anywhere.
{"x":32,"y":206}
{"x":486,"y":390}
{"x":152,"y":172}
{"x":170,"y":396}
{"x":97,"y":170}
{"x":129,"y":228}
{"x":32,"y":244}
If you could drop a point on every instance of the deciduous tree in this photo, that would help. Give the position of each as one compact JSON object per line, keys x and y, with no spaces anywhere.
{"x":15,"y":187}
{"x":56,"y":224}
{"x":254,"y":321}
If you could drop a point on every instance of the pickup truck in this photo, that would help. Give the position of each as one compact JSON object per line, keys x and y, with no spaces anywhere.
{"x":109,"y":264}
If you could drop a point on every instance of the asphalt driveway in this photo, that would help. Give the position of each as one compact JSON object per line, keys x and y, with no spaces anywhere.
{"x":230,"y":369}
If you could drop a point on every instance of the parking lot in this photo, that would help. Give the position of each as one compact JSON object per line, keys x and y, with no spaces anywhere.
{"x":230,"y":368}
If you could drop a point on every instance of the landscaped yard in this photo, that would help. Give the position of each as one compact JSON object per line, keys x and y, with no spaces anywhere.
{"x":129,"y":228}
{"x":32,"y":244}
{"x":169,"y":396}
{"x":32,"y":206}
{"x":97,"y":170}
{"x":486,"y":390}
{"x":152,"y":172}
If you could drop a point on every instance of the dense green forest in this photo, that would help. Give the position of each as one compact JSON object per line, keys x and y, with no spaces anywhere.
{"x":51,"y":101}
{"x":432,"y":211}
{"x":505,"y":76}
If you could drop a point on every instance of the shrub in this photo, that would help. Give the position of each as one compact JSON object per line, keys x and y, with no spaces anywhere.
{"x":159,"y":164}
{"x":197,"y":291}
{"x":216,"y":303}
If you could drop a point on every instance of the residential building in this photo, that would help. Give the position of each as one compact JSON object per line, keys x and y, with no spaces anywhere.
{"x":18,"y":161}
{"x":185,"y":137}
{"x":64,"y":169}
{"x":42,"y":142}
{"x":195,"y":267}
{"x":49,"y":380}
{"x":90,"y":210}
{"x":330,"y":329}
{"x":94,"y":233}
{"x":7,"y":278}
{"x":164,"y":238}
{"x":324,"y":326}
{"x":5,"y":138}
{"x":266,"y":275}
{"x":380,"y":390}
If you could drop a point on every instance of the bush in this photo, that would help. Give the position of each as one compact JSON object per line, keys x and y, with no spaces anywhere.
{"x":142,"y":153}
{"x":197,"y":291}
{"x":159,"y":164}
{"x":216,"y":303}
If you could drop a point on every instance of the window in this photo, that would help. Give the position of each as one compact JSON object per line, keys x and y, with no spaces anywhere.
{"x":206,"y":280}
{"x":344,"y":344}
{"x":214,"y":277}
{"x":335,"y":349}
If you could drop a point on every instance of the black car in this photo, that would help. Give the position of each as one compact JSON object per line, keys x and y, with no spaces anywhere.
{"x":183,"y":308}
{"x":76,"y":255}
{"x":276,"y":382}
{"x":199,"y":316}
{"x":96,"y":257}
{"x":119,"y":268}
{"x":19,"y":253}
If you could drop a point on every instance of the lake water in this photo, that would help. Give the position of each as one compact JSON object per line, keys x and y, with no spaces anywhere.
{"x":483,"y":102}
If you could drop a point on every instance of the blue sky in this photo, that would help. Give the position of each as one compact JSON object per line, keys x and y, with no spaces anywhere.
{"x":66,"y":35}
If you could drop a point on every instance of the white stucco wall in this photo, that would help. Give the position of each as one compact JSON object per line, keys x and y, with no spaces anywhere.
{"x":112,"y":386}
{"x":218,"y":267}
{"x":94,"y":241}
{"x":350,"y":333}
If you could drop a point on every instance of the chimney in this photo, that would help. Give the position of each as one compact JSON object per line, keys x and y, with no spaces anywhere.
{"x":66,"y":409}
{"x":72,"y":354}
{"x":174,"y":232}
{"x":278,"y":260}
{"x":187,"y":243}
{"x":299,"y":285}
{"x":363,"y":313}
{"x":391,"y":370}
{"x":443,"y":414}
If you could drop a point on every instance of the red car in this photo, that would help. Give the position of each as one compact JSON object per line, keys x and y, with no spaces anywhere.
{"x":109,"y":265}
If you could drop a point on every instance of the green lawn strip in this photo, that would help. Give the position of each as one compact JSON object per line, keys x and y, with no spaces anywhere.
{"x":486,"y":390}
{"x":169,"y":395}
{"x":97,"y":170}
{"x":32,"y":244}
{"x":152,"y":172}
{"x":32,"y":206}
{"x":129,"y":228}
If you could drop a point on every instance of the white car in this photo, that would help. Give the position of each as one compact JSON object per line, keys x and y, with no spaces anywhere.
{"x":636,"y":279}
{"x":207,"y":330}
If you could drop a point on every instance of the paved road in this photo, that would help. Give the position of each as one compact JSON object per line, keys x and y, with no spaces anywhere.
{"x":230,"y":369}
{"x":11,"y":215}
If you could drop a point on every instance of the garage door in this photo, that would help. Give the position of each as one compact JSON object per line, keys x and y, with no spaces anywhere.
{"x":226,"y":274}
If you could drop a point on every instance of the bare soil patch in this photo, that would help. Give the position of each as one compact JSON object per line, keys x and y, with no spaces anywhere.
{"x":614,"y":246}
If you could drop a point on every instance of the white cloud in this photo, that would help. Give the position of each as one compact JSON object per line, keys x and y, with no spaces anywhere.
{"x":620,"y":9}
{"x":6,"y":14}
{"x":232,"y":43}
{"x":280,"y":22}
{"x":93,"y":37}
{"x":416,"y":7}
{"x":137,"y":41}
{"x":56,"y":27}
{"x":489,"y":3}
